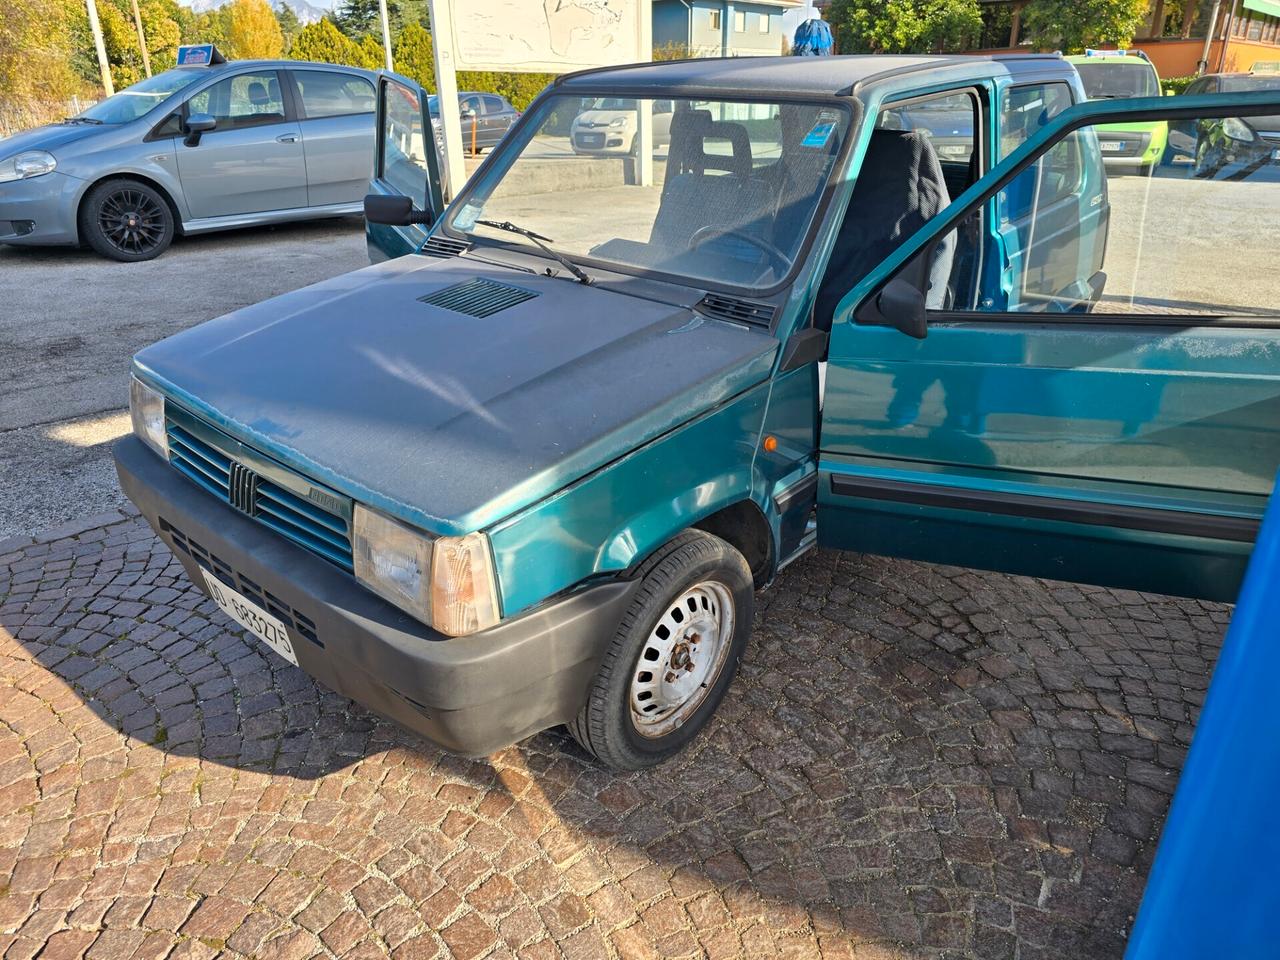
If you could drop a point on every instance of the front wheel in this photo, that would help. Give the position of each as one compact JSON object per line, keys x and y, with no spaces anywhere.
{"x":673,"y":657}
{"x":126,"y":220}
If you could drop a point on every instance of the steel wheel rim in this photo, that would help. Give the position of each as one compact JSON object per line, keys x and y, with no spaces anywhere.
{"x":681,"y":659}
{"x":131,"y":221}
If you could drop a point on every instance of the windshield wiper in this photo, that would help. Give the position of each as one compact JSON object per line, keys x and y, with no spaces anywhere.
{"x":542,"y":242}
{"x":80,"y":120}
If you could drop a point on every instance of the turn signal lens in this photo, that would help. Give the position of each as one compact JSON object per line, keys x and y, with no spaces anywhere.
{"x":146,"y":410}
{"x":464,"y":595}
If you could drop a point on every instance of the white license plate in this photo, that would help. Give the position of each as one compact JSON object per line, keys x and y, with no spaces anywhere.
{"x":1275,"y":155}
{"x":1110,"y":146}
{"x":251,"y":616}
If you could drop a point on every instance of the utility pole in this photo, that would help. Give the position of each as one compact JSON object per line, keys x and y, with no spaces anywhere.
{"x":386,"y":31}
{"x":103,"y":64}
{"x":142,"y":39}
{"x":1203,"y":63}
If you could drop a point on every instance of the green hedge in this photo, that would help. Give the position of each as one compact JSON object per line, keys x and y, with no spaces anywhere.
{"x":1176,"y":84}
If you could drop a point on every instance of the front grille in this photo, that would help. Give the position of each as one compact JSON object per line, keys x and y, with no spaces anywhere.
{"x":478,"y":297}
{"x":311,"y":516}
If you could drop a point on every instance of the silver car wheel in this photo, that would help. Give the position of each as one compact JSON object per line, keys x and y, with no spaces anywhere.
{"x":681,"y":659}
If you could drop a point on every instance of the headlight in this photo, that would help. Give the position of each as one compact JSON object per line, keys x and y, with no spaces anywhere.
{"x":618,"y":122}
{"x":1237,"y":129}
{"x":146,"y":409}
{"x":33,"y":163}
{"x":447,"y":582}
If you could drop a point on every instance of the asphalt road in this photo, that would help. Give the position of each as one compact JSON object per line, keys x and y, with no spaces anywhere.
{"x":70,"y":321}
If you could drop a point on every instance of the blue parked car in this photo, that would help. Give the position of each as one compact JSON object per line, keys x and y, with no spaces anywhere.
{"x":190,"y":150}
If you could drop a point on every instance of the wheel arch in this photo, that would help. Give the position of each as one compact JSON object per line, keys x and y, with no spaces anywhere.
{"x":744,"y":526}
{"x":151,"y":182}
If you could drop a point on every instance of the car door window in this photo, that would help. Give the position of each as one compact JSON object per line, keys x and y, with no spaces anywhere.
{"x":950,"y":122}
{"x":470,"y":105}
{"x":327,"y":94}
{"x":494,"y":105}
{"x":402,"y":162}
{"x":1026,"y":109}
{"x":1192,"y":240}
{"x":246,"y":100}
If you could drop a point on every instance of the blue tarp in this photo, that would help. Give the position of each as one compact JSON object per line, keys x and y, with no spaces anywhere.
{"x":813,"y":39}
{"x":1214,"y":889}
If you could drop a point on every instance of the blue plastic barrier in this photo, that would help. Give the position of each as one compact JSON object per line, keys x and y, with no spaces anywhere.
{"x":1214,"y":889}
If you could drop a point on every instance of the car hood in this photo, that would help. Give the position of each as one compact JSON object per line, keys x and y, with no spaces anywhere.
{"x":602,"y":118}
{"x":453,"y":422}
{"x":48,"y":137}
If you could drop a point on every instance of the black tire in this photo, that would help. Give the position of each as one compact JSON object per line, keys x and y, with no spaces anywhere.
{"x":126,"y":220}
{"x":605,"y":727}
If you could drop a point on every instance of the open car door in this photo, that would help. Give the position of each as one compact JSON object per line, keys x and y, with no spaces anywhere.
{"x":1094,"y":398}
{"x":405,"y":164}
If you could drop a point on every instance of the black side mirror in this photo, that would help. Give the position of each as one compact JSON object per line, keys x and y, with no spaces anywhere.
{"x":395,"y":211}
{"x":197,"y":124}
{"x":900,"y":304}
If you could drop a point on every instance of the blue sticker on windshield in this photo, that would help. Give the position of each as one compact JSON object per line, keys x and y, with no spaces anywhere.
{"x":467,"y":217}
{"x":819,"y":135}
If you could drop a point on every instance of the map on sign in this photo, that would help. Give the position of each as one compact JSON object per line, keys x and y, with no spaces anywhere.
{"x":548,"y":36}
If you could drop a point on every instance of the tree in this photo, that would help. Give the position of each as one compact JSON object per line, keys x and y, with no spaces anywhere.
{"x":36,"y":75}
{"x":290,"y":25}
{"x":253,"y":32}
{"x":322,"y":42}
{"x":906,"y":26}
{"x":1073,"y":26}
{"x":414,"y":56}
{"x":361,"y":18}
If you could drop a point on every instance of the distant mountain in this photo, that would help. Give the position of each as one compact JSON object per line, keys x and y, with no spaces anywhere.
{"x":307,"y":12}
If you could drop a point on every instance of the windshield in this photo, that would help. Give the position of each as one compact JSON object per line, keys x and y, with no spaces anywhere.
{"x":726,"y":193}
{"x":133,"y":102}
{"x":1103,"y":81}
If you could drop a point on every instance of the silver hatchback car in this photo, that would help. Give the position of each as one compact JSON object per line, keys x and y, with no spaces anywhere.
{"x":191,"y":150}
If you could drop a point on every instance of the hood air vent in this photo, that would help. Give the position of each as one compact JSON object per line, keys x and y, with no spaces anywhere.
{"x":736,"y":310}
{"x":478,"y":298}
{"x":443,"y":247}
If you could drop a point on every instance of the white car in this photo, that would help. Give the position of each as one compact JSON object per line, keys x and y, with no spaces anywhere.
{"x":608,"y":126}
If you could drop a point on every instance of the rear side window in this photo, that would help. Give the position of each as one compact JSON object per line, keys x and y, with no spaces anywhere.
{"x":494,"y":105}
{"x":333,"y":94}
{"x":248,"y":100}
{"x":1024,"y":110}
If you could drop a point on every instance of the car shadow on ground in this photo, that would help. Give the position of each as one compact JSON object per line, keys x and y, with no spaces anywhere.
{"x":952,"y":761}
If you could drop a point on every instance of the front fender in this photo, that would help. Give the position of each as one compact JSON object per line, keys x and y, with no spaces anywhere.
{"x":609,"y":521}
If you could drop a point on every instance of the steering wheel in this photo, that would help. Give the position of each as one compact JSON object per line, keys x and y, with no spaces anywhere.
{"x":712,"y":232}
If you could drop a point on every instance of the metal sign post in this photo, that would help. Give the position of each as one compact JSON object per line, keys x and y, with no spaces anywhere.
{"x":447,"y":96}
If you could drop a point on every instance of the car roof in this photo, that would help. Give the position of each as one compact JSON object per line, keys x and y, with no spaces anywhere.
{"x":837,"y":75}
{"x":235,"y":66}
{"x":1114,"y":56}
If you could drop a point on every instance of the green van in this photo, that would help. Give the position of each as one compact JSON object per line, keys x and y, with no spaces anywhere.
{"x":531,"y":468}
{"x":1123,"y":74}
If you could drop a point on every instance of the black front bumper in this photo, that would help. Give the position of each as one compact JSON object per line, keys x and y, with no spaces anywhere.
{"x":472,"y":695}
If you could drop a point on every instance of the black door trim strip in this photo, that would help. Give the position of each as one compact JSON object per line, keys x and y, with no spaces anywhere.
{"x":1208,"y":525}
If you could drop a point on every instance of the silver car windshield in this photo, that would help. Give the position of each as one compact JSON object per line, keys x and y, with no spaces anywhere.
{"x":724,"y":190}
{"x":134,"y":102}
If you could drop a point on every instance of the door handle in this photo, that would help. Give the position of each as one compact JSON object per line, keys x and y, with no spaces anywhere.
{"x":287,"y":138}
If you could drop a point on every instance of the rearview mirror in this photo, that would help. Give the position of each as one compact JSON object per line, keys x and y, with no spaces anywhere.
{"x":395,"y":211}
{"x":900,"y":304}
{"x":197,"y":124}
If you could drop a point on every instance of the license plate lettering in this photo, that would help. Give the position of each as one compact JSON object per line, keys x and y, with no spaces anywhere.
{"x":253,"y":618}
{"x":1111,"y":146}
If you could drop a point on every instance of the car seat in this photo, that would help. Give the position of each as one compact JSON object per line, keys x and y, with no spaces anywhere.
{"x":899,"y":188}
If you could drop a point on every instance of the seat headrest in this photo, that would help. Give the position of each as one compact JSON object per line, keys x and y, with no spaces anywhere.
{"x":257,"y":92}
{"x":690,"y":131}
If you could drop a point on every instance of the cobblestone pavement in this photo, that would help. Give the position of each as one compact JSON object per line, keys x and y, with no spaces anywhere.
{"x":917,"y":762}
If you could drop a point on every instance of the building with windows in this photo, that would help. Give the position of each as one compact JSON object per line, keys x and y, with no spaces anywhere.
{"x":725,"y":28}
{"x":1244,"y":34}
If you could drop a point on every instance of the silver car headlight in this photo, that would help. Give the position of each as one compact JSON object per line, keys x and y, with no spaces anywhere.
{"x":146,"y":410}
{"x":31,"y":163}
{"x":447,"y":582}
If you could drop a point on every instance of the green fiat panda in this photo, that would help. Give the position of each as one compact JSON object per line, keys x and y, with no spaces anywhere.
{"x":532,"y":467}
